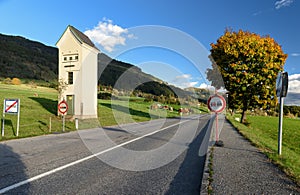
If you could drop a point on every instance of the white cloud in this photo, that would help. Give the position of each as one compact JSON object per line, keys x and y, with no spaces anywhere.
{"x":283,"y":3}
{"x":294,"y":77}
{"x":184,"y":76}
{"x":295,"y":54}
{"x":192,"y":84}
{"x":257,"y":13}
{"x":204,"y":86}
{"x":108,"y":35}
{"x":294,"y":83}
{"x":184,"y":81}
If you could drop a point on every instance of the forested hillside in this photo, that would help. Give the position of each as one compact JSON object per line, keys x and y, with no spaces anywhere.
{"x":26,"y":59}
{"x":22,"y":58}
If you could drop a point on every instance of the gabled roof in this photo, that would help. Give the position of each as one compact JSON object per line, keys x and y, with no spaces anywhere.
{"x":82,"y":38}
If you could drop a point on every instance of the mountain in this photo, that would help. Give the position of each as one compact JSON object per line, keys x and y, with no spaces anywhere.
{"x":23,"y":58}
{"x":126,"y":76}
{"x":26,"y":59}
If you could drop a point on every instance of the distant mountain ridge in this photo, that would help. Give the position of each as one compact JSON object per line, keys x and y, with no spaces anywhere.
{"x":27,"y":59}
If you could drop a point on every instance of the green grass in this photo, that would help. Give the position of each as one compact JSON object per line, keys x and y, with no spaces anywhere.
{"x":263,"y":132}
{"x":128,"y":110}
{"x":39,"y":104}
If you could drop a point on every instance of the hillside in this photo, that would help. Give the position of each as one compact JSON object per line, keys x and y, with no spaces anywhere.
{"x":26,"y":59}
{"x":113,"y":75}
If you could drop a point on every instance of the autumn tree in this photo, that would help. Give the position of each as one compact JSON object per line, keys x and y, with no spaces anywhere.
{"x":248,"y":64}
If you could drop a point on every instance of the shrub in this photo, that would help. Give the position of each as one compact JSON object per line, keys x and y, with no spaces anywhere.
{"x":104,"y":95}
{"x":16,"y":81}
{"x":7,"y":81}
{"x":32,"y":84}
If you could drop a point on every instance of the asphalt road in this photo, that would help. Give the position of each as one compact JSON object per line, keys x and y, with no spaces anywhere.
{"x":156,"y":157}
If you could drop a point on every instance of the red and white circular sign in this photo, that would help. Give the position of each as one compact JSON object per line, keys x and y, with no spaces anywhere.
{"x":216,"y":103}
{"x":63,"y":107}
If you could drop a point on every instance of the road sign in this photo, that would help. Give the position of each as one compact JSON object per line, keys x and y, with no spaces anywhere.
{"x":282,"y":84}
{"x":63,"y":107}
{"x":11,"y":106}
{"x":216,"y":103}
{"x":281,"y":92}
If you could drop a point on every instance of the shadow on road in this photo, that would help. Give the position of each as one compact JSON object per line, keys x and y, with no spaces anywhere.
{"x":12,"y":171}
{"x":189,"y":177}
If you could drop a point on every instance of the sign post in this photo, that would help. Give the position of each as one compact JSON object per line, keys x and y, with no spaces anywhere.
{"x":11,"y":106}
{"x":3,"y":119}
{"x":217,"y":104}
{"x":63,"y":108}
{"x":281,"y":92}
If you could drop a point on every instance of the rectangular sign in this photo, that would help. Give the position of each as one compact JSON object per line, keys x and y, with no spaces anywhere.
{"x":11,"y":106}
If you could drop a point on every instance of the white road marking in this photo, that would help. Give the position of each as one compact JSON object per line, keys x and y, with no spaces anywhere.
{"x":16,"y":185}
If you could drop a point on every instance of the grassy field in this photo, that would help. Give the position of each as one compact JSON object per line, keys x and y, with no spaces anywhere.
{"x":263,"y":132}
{"x":39,"y":104}
{"x":130,"y":110}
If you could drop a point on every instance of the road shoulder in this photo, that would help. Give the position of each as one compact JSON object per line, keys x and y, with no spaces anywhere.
{"x":239,"y":167}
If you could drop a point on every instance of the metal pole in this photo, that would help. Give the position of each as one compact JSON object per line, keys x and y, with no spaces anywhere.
{"x":3,"y":121}
{"x":217,"y":131}
{"x":63,"y":123}
{"x":3,"y":118}
{"x":76,"y":123}
{"x":18,"y":121}
{"x":280,"y":125}
{"x":50,"y":125}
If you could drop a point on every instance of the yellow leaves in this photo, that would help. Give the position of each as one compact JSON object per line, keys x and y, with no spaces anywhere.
{"x":248,"y":59}
{"x":270,"y":65}
{"x":264,"y":70}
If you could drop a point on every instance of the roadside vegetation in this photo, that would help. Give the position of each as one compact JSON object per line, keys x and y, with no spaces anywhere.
{"x":39,"y":107}
{"x":262,"y":131}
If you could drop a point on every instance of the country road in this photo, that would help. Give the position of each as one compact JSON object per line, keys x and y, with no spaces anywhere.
{"x":163,"y":156}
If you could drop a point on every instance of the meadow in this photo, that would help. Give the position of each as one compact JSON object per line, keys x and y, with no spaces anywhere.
{"x":263,"y":132}
{"x":38,"y":106}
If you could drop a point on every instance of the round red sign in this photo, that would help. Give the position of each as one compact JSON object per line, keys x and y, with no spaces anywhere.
{"x":216,"y":103}
{"x":63,"y":107}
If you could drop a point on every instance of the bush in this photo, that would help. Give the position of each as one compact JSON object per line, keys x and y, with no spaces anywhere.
{"x":16,"y":81}
{"x":104,"y":95}
{"x":32,"y":84}
{"x":7,"y":81}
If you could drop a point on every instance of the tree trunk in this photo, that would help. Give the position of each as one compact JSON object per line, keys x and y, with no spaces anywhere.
{"x":244,"y":117}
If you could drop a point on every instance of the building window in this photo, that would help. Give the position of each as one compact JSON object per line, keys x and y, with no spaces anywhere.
{"x":76,"y":57}
{"x":65,"y":58}
{"x":70,"y":78}
{"x":70,"y":58}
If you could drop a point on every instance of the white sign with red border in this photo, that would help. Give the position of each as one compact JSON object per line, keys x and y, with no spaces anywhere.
{"x":11,"y":106}
{"x":63,"y":107}
{"x":216,"y":103}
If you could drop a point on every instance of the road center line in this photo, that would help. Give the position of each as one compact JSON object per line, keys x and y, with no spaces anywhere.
{"x":16,"y":185}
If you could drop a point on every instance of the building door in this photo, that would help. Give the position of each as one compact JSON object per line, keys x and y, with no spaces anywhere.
{"x":70,"y":102}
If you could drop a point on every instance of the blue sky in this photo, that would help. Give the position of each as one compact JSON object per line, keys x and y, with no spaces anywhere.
{"x":201,"y":20}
